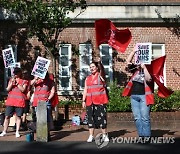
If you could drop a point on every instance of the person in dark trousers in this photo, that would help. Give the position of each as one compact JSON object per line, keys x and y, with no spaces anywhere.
{"x":44,"y":91}
{"x":15,"y":102}
{"x":26,"y":77}
{"x":95,"y":99}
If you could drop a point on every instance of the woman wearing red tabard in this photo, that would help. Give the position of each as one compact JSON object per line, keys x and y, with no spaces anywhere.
{"x":44,"y":91}
{"x":95,"y":99}
{"x":15,"y":102}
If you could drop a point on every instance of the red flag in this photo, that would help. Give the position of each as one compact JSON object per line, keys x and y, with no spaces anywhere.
{"x":103,"y":31}
{"x":156,"y":71}
{"x":162,"y":90}
{"x":119,"y":39}
{"x":106,"y":32}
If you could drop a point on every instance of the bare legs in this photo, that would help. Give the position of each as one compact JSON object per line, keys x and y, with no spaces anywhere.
{"x":6,"y":124}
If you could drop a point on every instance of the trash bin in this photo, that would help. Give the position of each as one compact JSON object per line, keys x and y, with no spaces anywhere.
{"x":30,"y":136}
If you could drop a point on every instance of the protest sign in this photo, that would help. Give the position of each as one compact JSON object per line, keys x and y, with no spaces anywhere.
{"x":143,"y":53}
{"x":8,"y":57}
{"x":17,"y":64}
{"x":41,"y":67}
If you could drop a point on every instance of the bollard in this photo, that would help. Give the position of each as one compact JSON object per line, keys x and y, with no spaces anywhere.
{"x":42,"y":134}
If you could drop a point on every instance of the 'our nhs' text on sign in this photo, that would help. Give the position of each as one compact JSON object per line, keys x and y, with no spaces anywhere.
{"x":143,"y":53}
{"x":8,"y":57}
{"x":41,"y":67}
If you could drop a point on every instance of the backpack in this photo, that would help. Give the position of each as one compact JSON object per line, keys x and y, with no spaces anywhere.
{"x":76,"y":120}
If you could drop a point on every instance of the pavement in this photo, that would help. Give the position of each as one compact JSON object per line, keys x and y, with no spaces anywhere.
{"x":66,"y":138}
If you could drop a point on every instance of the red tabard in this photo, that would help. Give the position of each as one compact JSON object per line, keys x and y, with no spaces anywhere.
{"x":27,"y":89}
{"x":96,"y":92}
{"x":15,"y":96}
{"x":42,"y":91}
{"x":148,"y":93}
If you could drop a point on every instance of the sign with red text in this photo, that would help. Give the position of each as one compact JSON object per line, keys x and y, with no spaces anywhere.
{"x":8,"y":57}
{"x":143,"y":53}
{"x":40,"y":67}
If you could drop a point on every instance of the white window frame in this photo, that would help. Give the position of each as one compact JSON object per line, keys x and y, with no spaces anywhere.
{"x":81,"y":47}
{"x":68,"y":67}
{"x":110,"y":61}
{"x":8,"y":71}
{"x":162,"y":54}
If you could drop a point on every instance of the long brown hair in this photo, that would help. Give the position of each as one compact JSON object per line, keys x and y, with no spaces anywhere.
{"x":96,"y":64}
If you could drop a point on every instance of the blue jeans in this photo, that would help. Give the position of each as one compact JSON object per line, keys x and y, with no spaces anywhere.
{"x":141,"y":113}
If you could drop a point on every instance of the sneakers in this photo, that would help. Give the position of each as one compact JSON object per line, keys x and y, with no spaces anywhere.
{"x":3,"y":134}
{"x":90,"y":139}
{"x":105,"y":138}
{"x":17,"y":134}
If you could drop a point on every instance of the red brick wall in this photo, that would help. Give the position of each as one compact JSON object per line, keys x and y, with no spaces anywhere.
{"x":152,"y":34}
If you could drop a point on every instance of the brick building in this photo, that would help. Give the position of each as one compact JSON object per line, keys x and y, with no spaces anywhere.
{"x":155,"y":21}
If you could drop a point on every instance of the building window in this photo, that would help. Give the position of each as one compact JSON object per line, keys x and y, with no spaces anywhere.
{"x":85,"y":59}
{"x":158,"y":50}
{"x":65,"y":74}
{"x":106,"y":58}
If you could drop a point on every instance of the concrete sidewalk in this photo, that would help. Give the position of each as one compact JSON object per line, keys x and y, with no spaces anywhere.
{"x":68,"y":132}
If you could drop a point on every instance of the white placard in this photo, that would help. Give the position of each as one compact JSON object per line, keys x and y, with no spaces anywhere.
{"x":17,"y":64}
{"x":143,"y":53}
{"x":8,"y":57}
{"x":40,"y":67}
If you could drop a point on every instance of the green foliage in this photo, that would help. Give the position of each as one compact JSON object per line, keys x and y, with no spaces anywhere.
{"x":69,"y":102}
{"x":44,"y":19}
{"x":116,"y":101}
{"x":2,"y":103}
{"x":172,"y":103}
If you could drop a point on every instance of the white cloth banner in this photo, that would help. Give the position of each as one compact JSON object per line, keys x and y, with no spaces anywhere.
{"x":40,"y":67}
{"x":143,"y":53}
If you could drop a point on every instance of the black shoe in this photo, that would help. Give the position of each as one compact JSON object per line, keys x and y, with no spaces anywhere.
{"x":147,"y":140}
{"x":144,"y":140}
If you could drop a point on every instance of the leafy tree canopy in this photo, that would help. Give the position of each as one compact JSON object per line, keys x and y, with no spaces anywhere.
{"x":44,"y":19}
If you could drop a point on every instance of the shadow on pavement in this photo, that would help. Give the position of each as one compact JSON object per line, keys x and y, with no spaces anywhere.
{"x":160,"y":133}
{"x":84,"y":148}
{"x":57,"y":135}
{"x":118,"y":133}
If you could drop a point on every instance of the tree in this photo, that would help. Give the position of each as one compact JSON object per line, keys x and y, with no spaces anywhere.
{"x":45,"y":19}
{"x":173,"y":24}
